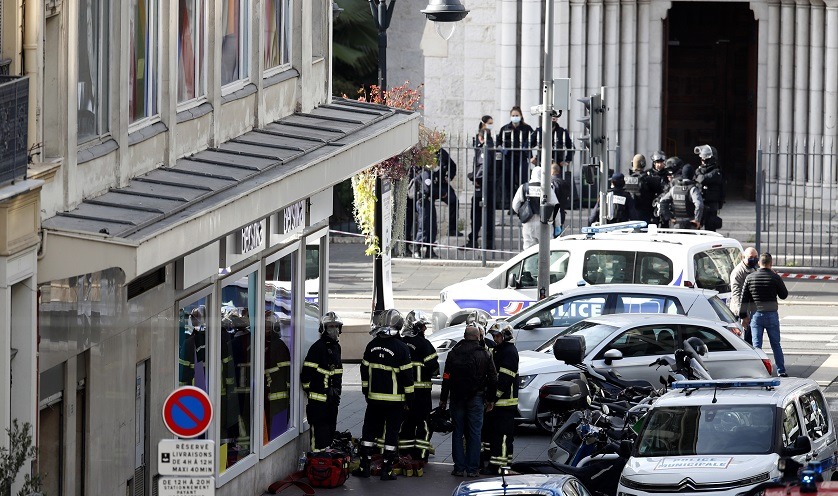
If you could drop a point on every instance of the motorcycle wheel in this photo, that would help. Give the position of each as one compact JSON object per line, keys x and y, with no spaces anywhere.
{"x":545,"y":423}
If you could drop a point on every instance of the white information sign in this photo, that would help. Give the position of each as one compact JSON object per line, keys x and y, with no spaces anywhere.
{"x":681,"y":463}
{"x":186,"y":486}
{"x":187,"y":458}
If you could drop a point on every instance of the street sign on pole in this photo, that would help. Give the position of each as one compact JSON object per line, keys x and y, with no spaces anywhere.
{"x":190,"y":458}
{"x":186,"y":486}
{"x":187,"y":412}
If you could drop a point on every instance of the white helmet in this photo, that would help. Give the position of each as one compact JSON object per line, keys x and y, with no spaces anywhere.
{"x":415,"y":323}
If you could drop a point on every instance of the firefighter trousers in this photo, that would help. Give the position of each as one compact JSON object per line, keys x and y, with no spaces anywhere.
{"x":382,"y":422}
{"x":501,"y":435}
{"x":323,"y":420}
{"x":415,"y":437}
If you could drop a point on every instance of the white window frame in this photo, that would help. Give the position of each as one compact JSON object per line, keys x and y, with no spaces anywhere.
{"x":180,"y":303}
{"x":202,"y":30}
{"x":152,"y":79}
{"x":317,"y":237}
{"x":293,"y":431}
{"x":245,"y":48}
{"x":253,"y":458}
{"x":324,"y":30}
{"x":103,"y":117}
{"x":272,"y":71}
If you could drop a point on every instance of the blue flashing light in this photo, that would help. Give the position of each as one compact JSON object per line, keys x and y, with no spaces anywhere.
{"x":635,"y":224}
{"x":723,"y":384}
{"x":808,"y":477}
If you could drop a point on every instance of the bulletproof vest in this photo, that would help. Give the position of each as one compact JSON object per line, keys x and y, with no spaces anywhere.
{"x":533,"y":195}
{"x":682,"y":203}
{"x":618,"y":211}
{"x":632,"y":186}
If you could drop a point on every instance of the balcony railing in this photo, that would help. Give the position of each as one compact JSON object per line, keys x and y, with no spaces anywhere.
{"x":14,"y":125}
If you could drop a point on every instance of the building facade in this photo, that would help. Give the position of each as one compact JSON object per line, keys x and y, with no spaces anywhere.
{"x":171,"y":228}
{"x":676,"y":74}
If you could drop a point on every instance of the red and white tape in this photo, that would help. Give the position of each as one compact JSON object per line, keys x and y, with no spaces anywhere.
{"x":808,"y":277}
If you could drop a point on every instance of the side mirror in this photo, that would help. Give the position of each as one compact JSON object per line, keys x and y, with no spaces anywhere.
{"x":801,"y":446}
{"x":626,"y":446}
{"x":612,"y":355}
{"x":569,"y":349}
{"x":533,"y":323}
{"x":512,"y":282}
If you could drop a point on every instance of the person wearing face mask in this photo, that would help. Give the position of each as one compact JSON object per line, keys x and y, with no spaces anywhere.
{"x":515,"y":140}
{"x":322,"y":380}
{"x":484,"y":179}
{"x":750,"y":262}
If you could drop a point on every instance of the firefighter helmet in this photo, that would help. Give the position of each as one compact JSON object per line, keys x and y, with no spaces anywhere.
{"x":415,"y":323}
{"x":502,"y":328}
{"x":330,"y":319}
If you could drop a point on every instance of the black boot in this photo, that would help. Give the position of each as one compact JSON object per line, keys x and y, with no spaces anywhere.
{"x":363,"y":469}
{"x":387,"y":467}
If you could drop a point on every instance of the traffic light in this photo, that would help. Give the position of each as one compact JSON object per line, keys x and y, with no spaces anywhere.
{"x":593,"y":134}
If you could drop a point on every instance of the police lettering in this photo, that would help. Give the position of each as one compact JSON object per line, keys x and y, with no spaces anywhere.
{"x":294,"y":216}
{"x":251,"y":237}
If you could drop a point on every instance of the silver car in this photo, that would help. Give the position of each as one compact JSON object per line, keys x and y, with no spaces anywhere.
{"x":640,"y":340}
{"x":538,"y":323}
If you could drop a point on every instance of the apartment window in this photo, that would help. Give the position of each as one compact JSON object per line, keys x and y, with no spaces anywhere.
{"x":191,"y":50}
{"x":235,"y":42}
{"x":92,"y":87}
{"x":278,"y":33}
{"x":142,"y":102}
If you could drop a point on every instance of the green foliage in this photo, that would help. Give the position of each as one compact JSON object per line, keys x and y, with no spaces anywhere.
{"x":13,"y":458}
{"x":354,"y":48}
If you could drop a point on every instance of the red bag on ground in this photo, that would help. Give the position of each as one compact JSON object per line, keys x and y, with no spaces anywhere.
{"x":327,"y":468}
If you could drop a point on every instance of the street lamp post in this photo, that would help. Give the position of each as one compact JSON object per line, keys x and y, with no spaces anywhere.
{"x":545,"y":234}
{"x":445,"y":11}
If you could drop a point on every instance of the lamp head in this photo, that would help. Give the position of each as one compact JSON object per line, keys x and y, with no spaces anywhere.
{"x":445,"y":11}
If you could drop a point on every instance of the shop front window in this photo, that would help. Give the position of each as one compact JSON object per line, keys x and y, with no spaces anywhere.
{"x":277,"y":38}
{"x":92,"y":59}
{"x":191,"y":50}
{"x":143,"y":24}
{"x":279,"y":341}
{"x":192,"y":343}
{"x":239,"y":302}
{"x":235,"y":41}
{"x":312,"y":288}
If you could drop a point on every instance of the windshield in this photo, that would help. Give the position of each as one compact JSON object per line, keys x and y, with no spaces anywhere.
{"x":708,"y":430}
{"x":592,"y":332}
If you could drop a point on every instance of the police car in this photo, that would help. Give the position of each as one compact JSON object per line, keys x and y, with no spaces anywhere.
{"x":524,"y":485}
{"x":724,"y":437}
{"x":617,"y":253}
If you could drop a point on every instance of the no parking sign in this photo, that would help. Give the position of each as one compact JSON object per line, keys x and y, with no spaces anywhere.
{"x":187,"y":412}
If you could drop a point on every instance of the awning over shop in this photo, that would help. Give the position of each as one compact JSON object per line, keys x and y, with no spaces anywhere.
{"x":172,"y":211}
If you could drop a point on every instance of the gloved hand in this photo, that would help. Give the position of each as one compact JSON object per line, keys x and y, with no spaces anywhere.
{"x":557,"y":231}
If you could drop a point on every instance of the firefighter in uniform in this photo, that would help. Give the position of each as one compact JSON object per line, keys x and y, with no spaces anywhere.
{"x":415,"y":437}
{"x":277,"y":378}
{"x":620,"y":204}
{"x":710,"y":180}
{"x":501,"y":419}
{"x":387,"y":384}
{"x":322,"y":379}
{"x":685,"y":201}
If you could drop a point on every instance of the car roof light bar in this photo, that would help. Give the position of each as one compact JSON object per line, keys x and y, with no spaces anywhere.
{"x":723,"y":384}
{"x":637,"y":224}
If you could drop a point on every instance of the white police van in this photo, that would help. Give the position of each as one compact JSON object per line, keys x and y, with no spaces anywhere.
{"x":724,"y":437}
{"x":617,"y":253}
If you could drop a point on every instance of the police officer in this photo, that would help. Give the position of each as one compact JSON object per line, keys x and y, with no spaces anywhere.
{"x":426,"y":228}
{"x":709,"y":178}
{"x":643,"y":187}
{"x":415,"y":437}
{"x":322,"y":380}
{"x":658,"y":160}
{"x":387,"y":384}
{"x":620,"y":204}
{"x":687,"y":205}
{"x":527,"y":205}
{"x":501,"y":419}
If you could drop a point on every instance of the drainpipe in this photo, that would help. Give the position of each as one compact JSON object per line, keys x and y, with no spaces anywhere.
{"x":31,"y":31}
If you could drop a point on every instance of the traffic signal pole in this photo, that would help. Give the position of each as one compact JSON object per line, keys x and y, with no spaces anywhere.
{"x":546,"y":233}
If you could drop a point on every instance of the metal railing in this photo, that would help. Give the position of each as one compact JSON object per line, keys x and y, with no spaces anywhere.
{"x":449,"y":206}
{"x":797,"y":203}
{"x":14,"y":127}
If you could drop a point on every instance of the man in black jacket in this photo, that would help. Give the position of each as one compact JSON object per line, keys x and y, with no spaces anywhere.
{"x":471,"y":380}
{"x":500,"y":421}
{"x":759,"y":295}
{"x":322,"y":380}
{"x":387,"y":384}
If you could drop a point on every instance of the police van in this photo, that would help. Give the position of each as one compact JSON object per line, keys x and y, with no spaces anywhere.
{"x":725,"y":437}
{"x":627,"y":253}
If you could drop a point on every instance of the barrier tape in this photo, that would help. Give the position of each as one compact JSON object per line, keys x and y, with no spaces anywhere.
{"x":432,"y":245}
{"x":808,"y":277}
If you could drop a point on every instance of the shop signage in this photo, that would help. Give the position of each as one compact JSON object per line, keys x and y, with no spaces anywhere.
{"x":187,"y":412}
{"x":294,"y":216}
{"x":186,"y":486}
{"x":250,"y":238}
{"x":191,"y":458}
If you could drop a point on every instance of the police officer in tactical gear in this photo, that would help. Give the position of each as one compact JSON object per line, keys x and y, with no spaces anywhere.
{"x":684,"y":198}
{"x":638,"y":165}
{"x":415,"y":436}
{"x":709,"y":178}
{"x":387,"y":384}
{"x":500,"y":421}
{"x":322,"y":379}
{"x":658,"y":160}
{"x":620,"y":204}
{"x":644,"y":187}
{"x":527,"y":205}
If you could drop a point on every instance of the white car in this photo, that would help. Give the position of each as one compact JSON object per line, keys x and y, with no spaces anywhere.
{"x":640,"y":256}
{"x":640,"y":339}
{"x":725,"y":437}
{"x":540,"y":322}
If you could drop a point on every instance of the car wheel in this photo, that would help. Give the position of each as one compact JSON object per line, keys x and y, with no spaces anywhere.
{"x":546,"y":421}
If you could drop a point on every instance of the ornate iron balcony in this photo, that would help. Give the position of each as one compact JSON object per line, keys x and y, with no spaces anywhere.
{"x":14,"y":125}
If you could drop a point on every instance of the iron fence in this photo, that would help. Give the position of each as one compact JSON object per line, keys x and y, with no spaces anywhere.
{"x":797,"y":202}
{"x":445,"y":209}
{"x":14,"y":126}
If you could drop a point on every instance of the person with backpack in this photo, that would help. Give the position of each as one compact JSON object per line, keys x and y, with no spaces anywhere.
{"x":471,"y":381}
{"x":527,"y":206}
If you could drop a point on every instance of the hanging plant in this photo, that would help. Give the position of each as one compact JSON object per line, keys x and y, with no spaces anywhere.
{"x":396,"y":168}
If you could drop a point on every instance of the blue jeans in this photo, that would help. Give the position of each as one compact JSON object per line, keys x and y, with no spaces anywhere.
{"x":467,"y":416}
{"x":770,"y":322}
